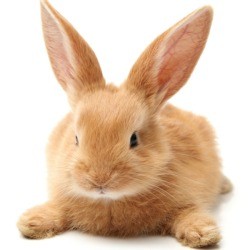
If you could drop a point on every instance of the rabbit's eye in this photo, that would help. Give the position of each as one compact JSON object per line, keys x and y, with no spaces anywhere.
{"x":76,"y":140}
{"x":133,"y":140}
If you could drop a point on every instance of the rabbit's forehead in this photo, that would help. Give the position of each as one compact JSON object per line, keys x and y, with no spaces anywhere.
{"x":110,"y":111}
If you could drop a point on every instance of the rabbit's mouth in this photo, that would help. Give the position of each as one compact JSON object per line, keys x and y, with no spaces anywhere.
{"x":99,"y":192}
{"x":111,"y":190}
{"x":102,"y":185}
{"x":102,"y":191}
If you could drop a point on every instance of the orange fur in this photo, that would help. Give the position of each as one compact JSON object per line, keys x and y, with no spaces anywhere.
{"x":167,"y":183}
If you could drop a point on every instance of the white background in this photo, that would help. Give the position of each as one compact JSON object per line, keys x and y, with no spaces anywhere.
{"x":31,"y":102}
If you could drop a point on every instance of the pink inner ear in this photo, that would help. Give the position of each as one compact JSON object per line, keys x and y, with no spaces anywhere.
{"x":179,"y":52}
{"x":175,"y":62}
{"x":55,"y":42}
{"x":170,"y":57}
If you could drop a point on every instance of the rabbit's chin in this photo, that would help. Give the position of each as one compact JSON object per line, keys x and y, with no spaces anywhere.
{"x":103,"y":194}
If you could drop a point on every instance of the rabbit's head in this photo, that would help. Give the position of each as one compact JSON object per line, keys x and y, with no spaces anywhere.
{"x":119,"y":143}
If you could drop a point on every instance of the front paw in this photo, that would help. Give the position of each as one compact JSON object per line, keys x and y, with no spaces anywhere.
{"x":194,"y":227}
{"x":199,"y":234}
{"x":40,"y":222}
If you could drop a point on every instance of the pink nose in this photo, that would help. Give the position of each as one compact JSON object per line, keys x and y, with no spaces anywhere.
{"x":100,"y":189}
{"x":98,"y":186}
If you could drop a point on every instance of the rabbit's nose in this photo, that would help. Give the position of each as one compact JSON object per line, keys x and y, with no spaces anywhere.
{"x":98,"y":185}
{"x":101,"y":190}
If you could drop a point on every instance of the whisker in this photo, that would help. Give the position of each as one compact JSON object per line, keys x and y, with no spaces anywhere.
{"x":161,"y":191}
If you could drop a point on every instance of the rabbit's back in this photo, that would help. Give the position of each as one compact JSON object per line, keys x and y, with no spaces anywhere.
{"x":196,"y":163}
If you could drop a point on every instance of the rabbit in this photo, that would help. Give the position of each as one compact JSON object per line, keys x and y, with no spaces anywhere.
{"x":124,"y":162}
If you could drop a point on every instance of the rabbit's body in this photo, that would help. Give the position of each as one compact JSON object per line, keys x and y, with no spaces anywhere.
{"x":192,"y":177}
{"x":121,"y":163}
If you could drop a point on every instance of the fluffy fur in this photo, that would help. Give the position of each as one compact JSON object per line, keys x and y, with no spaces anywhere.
{"x":97,"y":183}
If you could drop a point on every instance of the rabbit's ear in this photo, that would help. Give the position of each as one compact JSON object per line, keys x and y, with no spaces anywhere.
{"x":74,"y":63}
{"x":167,"y":63}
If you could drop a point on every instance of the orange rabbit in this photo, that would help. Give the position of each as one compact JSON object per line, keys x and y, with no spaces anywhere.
{"x":121,"y":162}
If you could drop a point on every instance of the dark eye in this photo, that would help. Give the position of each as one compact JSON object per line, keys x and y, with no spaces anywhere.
{"x":133,"y":140}
{"x":76,"y":140}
